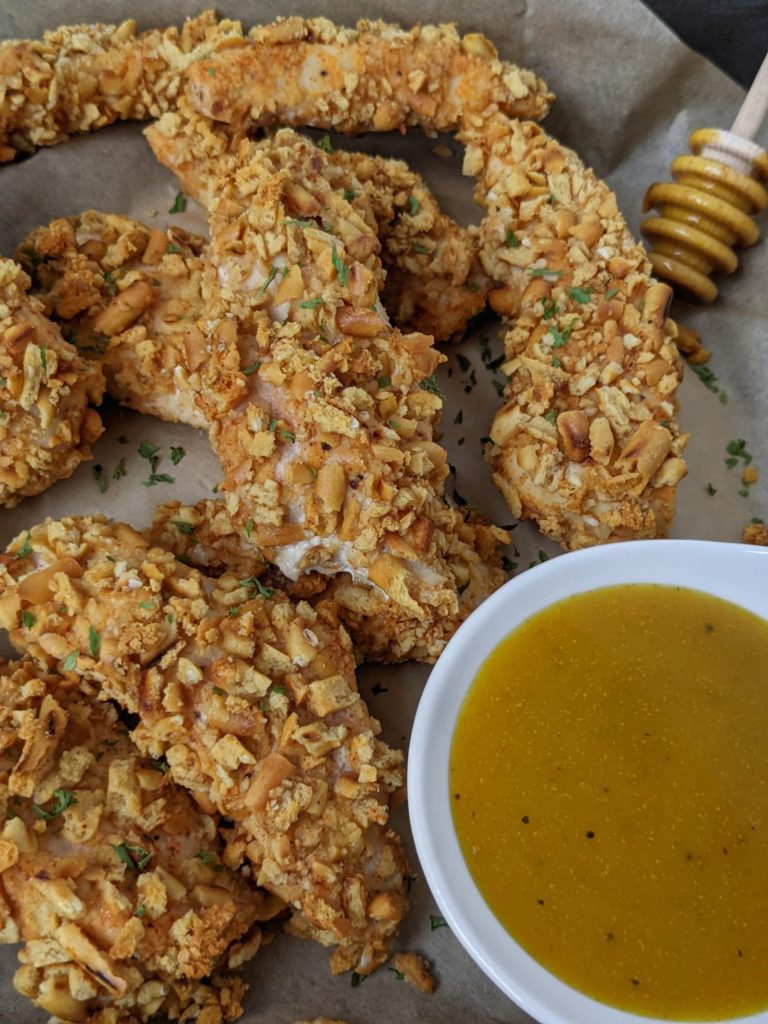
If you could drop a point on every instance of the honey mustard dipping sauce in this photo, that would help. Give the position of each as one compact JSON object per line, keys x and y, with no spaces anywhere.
{"x":609,"y":786}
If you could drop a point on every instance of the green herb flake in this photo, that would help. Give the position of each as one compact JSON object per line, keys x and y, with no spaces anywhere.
{"x":737,"y":449}
{"x":543,"y":556}
{"x":174,"y":250}
{"x":149,"y":451}
{"x":549,"y":307}
{"x":560,"y":338}
{"x":249,"y":528}
{"x":123,"y":439}
{"x":183,"y":527}
{"x":297,"y":222}
{"x":140,"y":911}
{"x":209,"y":859}
{"x":26,"y":548}
{"x":287,"y":435}
{"x":420,"y":248}
{"x":413,"y":205}
{"x":459,"y":417}
{"x":64,"y":799}
{"x":272,"y":274}
{"x":249,"y":370}
{"x":148,"y":606}
{"x":99,"y":478}
{"x":70,"y":662}
{"x":398,"y":974}
{"x":357,"y":979}
{"x":325,"y":144}
{"x":437,"y":921}
{"x":179,"y":203}
{"x":711,"y":491}
{"x":218,"y":691}
{"x":430,"y":384}
{"x":110,"y":281}
{"x":134,"y":857}
{"x":383,"y":382}
{"x":611,"y":292}
{"x":28,"y":619}
{"x":42,"y":350}
{"x":350,"y":194}
{"x":311,"y":303}
{"x":339,"y":267}
{"x":512,"y":241}
{"x":119,"y":471}
{"x":556,"y":362}
{"x":580,"y":294}
{"x":545,"y":272}
{"x":158,"y":478}
{"x":551,"y":416}
{"x":94,"y":642}
{"x":177,"y":454}
{"x":254,"y":584}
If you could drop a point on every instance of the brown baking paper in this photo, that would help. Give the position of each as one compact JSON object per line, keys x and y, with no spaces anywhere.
{"x":628,"y":94}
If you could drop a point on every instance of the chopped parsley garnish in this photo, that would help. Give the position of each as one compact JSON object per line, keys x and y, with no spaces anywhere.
{"x":543,"y":556}
{"x":160,"y":765}
{"x":580,"y":294}
{"x":383,"y":382}
{"x":560,"y":338}
{"x":757,"y":521}
{"x":549,"y":307}
{"x":437,"y":921}
{"x":272,"y":426}
{"x":26,"y":548}
{"x":123,"y":439}
{"x":28,"y":619}
{"x":218,"y":691}
{"x":711,"y":491}
{"x":556,"y":362}
{"x":158,"y":478}
{"x":551,"y":416}
{"x":249,"y":529}
{"x":287,"y":435}
{"x":611,"y":292}
{"x":177,"y":454}
{"x":398,"y":974}
{"x":94,"y":642}
{"x":357,"y":979}
{"x":254,"y":584}
{"x":737,"y":450}
{"x":111,"y":283}
{"x":64,"y":799}
{"x":135,"y":857}
{"x":473,"y":286}
{"x":311,"y":303}
{"x":119,"y":471}
{"x":249,"y":370}
{"x":350,"y":194}
{"x":42,"y":350}
{"x":545,"y":272}
{"x":498,"y":387}
{"x":267,"y":281}
{"x":140,"y":911}
{"x":149,"y":451}
{"x":183,"y":527}
{"x":173,"y":249}
{"x":339,"y":267}
{"x":298,"y":223}
{"x":430,"y":384}
{"x":512,"y":240}
{"x":210,"y":859}
{"x":179,"y":203}
{"x":148,"y":606}
{"x":418,"y":247}
{"x":70,"y":662}
{"x":99,"y":478}
{"x":325,"y":144}
{"x":413,"y":205}
{"x":459,"y":417}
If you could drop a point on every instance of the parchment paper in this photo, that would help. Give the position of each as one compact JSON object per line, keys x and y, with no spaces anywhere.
{"x":628,"y":94}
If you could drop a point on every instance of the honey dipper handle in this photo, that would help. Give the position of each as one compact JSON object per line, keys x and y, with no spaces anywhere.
{"x":755,"y":105}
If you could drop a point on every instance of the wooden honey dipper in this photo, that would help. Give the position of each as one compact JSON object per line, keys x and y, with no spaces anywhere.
{"x":709,"y":209}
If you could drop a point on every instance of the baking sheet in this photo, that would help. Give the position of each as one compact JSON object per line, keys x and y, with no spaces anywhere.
{"x":628,"y":94}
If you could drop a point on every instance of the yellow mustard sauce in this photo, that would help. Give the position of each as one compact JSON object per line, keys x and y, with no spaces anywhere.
{"x":609,"y":785}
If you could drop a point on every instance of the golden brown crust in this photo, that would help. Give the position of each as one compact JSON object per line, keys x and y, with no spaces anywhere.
{"x":251,"y":699}
{"x":376,"y":77}
{"x":82,"y":77}
{"x":47,"y":424}
{"x":756,"y":533}
{"x":110,"y":875}
{"x":127,"y":297}
{"x":587,"y":443}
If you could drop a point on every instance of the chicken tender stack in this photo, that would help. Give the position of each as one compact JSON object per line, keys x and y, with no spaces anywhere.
{"x":109,"y":874}
{"x":128,"y":297}
{"x":47,"y":424}
{"x":251,"y":699}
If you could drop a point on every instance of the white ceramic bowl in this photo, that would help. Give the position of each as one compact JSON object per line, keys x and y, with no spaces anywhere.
{"x":735,"y":572}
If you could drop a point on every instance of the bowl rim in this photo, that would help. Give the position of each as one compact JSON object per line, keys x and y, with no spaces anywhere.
{"x":729,"y":571}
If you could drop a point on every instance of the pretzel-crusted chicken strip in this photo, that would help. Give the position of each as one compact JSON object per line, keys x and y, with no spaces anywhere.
{"x":587,"y":443}
{"x":47,"y":424}
{"x":83,"y":77}
{"x":109,"y":874}
{"x":129,"y":297}
{"x":205,"y":535}
{"x":326,"y":434}
{"x":376,"y":77}
{"x":433,"y":280}
{"x":251,"y":699}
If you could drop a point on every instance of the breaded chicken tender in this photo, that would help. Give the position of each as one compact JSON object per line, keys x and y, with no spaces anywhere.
{"x":110,"y":876}
{"x":128,"y":297}
{"x":47,"y":423}
{"x":587,"y":443}
{"x":82,"y":77}
{"x":433,"y":280}
{"x":252,"y":701}
{"x":205,"y":535}
{"x":323,"y":415}
{"x":376,"y":77}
